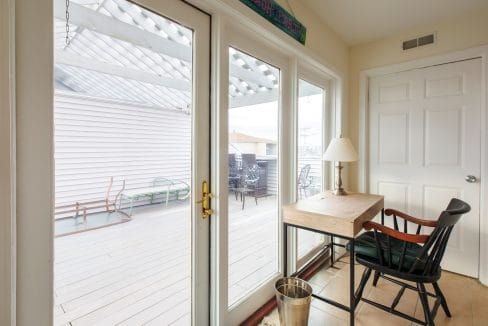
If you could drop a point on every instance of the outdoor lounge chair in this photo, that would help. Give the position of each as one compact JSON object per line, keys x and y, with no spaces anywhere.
{"x":160,"y":186}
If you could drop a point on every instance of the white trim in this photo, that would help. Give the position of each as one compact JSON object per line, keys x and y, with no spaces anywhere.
{"x":218,"y":165}
{"x":7,"y":168}
{"x":34,"y":168}
{"x":309,"y":75}
{"x":477,"y":52}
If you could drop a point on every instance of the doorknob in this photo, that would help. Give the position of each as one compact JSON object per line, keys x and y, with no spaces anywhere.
{"x":470,"y":179}
{"x":205,"y":201}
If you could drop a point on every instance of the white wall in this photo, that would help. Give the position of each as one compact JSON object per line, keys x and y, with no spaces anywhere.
{"x":96,"y":139}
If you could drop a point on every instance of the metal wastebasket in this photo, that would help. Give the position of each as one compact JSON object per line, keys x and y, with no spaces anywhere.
{"x":293,"y":296}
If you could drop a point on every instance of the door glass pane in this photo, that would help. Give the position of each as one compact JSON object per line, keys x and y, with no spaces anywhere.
{"x":123,"y":139}
{"x":310,"y":148}
{"x":253,"y":173}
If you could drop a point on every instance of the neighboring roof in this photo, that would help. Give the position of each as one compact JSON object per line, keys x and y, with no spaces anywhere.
{"x":236,"y":137}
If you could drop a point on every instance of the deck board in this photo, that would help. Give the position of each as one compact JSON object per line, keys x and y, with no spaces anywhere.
{"x":138,"y":273}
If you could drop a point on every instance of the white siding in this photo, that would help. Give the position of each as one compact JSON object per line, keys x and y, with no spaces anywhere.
{"x":96,"y":139}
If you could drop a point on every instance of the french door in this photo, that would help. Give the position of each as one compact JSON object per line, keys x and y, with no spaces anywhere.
{"x":137,"y":75}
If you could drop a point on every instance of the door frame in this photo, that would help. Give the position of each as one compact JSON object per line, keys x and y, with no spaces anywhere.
{"x":363,"y":149}
{"x":236,"y":37}
{"x":32,"y":298}
{"x":309,"y":75}
{"x":229,"y":12}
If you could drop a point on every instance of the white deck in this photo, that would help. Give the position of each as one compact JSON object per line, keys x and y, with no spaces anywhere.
{"x":138,"y":273}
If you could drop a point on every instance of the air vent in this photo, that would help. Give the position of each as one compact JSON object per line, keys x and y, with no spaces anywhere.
{"x":416,"y":42}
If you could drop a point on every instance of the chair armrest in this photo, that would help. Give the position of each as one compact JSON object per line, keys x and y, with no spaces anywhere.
{"x":409,"y":218}
{"x":413,"y":238}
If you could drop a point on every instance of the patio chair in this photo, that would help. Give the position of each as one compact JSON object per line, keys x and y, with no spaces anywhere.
{"x":401,"y":257}
{"x":248,"y":160}
{"x":234,"y":175}
{"x":304,"y":180}
{"x":249,"y":184}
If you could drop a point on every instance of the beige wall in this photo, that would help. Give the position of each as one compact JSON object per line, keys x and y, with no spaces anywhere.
{"x":5,"y":167}
{"x":322,"y":40}
{"x":469,"y":31}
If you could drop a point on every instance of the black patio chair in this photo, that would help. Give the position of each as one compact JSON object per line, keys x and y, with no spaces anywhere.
{"x":234,"y":175}
{"x":408,"y":257}
{"x":250,"y":181}
{"x":248,"y":160}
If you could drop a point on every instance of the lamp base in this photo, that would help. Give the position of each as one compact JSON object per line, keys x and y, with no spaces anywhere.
{"x":339,"y":192}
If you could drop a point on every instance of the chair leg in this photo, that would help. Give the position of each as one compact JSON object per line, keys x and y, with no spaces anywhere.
{"x":425,"y":304}
{"x":439,"y":294}
{"x":376,"y":277}
{"x":362,"y":284}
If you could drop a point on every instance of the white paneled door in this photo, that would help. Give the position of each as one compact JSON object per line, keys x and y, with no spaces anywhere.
{"x":424,"y":141}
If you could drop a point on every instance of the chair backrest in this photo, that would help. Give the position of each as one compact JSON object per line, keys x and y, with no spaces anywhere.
{"x":303,"y":176}
{"x":434,"y":249}
{"x":248,"y":160}
{"x":162,"y":182}
{"x":233,"y":170}
{"x":251,"y":174}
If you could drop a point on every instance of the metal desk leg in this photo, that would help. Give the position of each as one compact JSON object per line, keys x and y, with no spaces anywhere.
{"x":352,"y":299}
{"x":331,"y":251}
{"x":285,"y":250}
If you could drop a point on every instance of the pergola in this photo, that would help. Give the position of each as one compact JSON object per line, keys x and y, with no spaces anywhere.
{"x":119,"y":51}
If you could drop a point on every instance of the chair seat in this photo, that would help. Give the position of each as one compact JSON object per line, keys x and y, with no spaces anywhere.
{"x":365,"y":246}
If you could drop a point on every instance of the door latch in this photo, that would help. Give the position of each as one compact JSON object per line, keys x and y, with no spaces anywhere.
{"x":205,"y":201}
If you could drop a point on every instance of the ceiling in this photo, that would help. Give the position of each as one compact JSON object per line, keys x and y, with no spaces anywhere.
{"x":361,"y":21}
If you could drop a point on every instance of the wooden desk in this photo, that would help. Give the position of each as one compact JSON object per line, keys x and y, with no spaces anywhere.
{"x":336,"y":216}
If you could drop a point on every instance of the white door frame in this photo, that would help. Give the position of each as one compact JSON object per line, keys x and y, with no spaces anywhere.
{"x":477,"y":52}
{"x":308,"y":74}
{"x":224,"y":15}
{"x":34,"y":46}
{"x":237,"y":38}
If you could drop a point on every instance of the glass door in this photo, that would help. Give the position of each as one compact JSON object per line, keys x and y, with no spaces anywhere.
{"x":131,"y":124}
{"x":253,"y":159}
{"x":250,"y":249}
{"x":310,"y":140}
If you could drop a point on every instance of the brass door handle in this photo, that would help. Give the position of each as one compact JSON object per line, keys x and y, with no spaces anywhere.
{"x":205,"y":201}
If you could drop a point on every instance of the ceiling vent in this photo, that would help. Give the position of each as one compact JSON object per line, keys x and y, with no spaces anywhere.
{"x":416,"y":42}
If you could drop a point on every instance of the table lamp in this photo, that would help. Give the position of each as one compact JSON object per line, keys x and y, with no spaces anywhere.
{"x":340,"y":150}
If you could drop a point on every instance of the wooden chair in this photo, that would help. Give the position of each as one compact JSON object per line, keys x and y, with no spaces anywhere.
{"x":408,"y":257}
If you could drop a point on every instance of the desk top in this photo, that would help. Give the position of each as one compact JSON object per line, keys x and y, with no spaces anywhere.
{"x":341,"y":215}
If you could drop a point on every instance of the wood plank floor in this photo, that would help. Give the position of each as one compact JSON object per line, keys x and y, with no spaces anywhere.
{"x":139,"y":272}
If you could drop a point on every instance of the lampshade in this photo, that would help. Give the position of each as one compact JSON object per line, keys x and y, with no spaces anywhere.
{"x":340,"y":150}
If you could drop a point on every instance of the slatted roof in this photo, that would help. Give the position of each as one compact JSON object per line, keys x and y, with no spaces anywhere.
{"x":118,"y":50}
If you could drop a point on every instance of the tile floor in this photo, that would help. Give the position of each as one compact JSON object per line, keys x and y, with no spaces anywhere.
{"x":466,"y":297}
